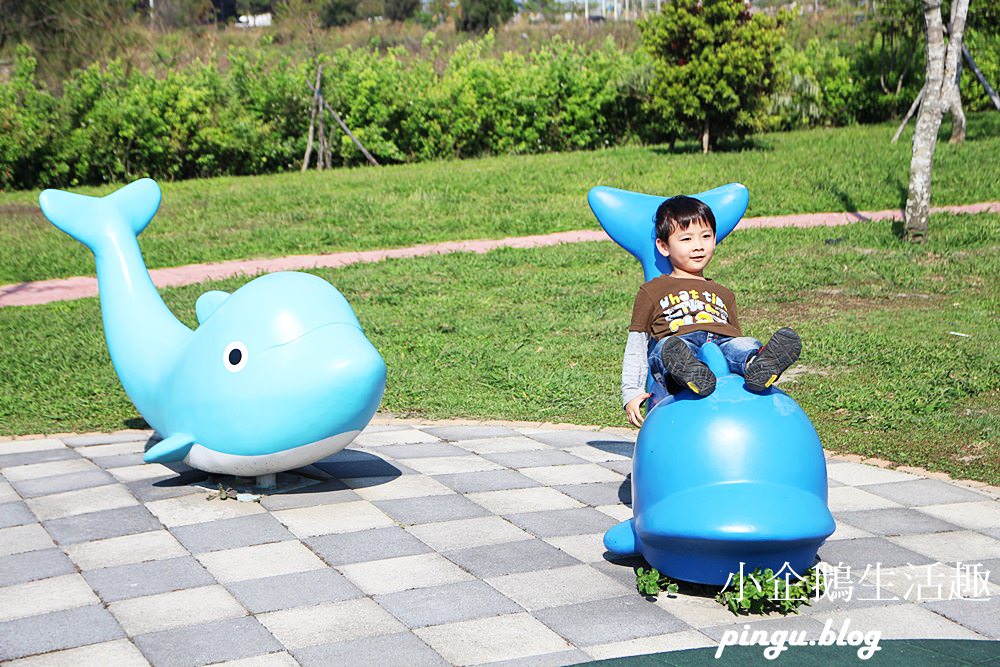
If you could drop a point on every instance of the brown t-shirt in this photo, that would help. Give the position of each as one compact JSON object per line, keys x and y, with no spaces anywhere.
{"x":666,"y":305}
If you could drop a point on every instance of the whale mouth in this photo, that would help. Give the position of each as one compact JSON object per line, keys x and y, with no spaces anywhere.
{"x":314,"y":330}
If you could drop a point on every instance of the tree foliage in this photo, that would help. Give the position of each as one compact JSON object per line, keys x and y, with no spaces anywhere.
{"x":338,"y":12}
{"x":715,"y":65}
{"x":400,"y":10}
{"x":483,"y":15}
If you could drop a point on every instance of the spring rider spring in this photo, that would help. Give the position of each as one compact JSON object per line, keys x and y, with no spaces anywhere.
{"x":734,"y":477}
{"x":277,"y":375}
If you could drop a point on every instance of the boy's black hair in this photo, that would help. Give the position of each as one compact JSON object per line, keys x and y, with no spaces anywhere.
{"x":681,"y":212}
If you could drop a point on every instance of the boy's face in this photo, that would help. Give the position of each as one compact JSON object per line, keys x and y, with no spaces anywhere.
{"x":689,"y":250}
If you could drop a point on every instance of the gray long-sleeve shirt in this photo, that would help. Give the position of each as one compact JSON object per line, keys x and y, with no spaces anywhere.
{"x":635,"y":366}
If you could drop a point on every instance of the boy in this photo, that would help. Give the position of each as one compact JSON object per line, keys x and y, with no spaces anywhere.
{"x":684,"y":310}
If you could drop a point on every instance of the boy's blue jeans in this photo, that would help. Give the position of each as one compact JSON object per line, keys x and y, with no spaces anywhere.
{"x":735,"y":350}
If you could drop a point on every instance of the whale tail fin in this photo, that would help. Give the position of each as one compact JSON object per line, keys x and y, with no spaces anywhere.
{"x":94,"y":221}
{"x":627,"y":217}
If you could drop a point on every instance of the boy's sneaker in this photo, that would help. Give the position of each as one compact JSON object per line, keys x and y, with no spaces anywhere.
{"x":685,"y":368}
{"x":773,"y":359}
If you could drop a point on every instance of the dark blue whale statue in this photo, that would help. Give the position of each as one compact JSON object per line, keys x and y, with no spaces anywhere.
{"x":733,"y":479}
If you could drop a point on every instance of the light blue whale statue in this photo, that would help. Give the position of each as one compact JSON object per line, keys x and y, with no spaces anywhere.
{"x":725,"y":483}
{"x":277,"y":376}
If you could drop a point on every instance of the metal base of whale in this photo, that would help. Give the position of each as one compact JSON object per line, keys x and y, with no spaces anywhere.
{"x":219,"y":463}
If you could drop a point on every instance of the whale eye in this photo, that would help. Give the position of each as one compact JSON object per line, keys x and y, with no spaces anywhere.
{"x":235,"y":357}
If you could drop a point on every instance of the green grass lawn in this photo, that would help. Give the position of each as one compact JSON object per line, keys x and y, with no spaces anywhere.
{"x":218,"y":219}
{"x":538,"y":335}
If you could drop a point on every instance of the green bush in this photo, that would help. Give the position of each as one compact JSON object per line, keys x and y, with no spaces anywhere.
{"x":817,"y":87}
{"x":252,"y":117}
{"x":984,"y":45}
{"x":29,"y":126}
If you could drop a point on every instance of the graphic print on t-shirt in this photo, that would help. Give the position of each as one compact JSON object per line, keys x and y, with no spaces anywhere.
{"x":691,"y":306}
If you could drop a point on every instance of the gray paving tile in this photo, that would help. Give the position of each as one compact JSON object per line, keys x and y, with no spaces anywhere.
{"x":895,"y":521}
{"x":101,"y":525}
{"x":168,"y":486}
{"x":850,"y":593}
{"x":557,"y":659}
{"x":109,"y":438}
{"x":455,"y":433}
{"x":57,"y":630}
{"x":494,"y":560}
{"x":556,"y":523}
{"x":534,"y":458}
{"x":159,"y":576}
{"x":243,"y":531}
{"x":366,"y":545}
{"x":621,"y":448}
{"x":300,"y":589}
{"x":578,"y":438}
{"x":863,"y":551}
{"x":403,"y":649}
{"x":620,"y":467}
{"x":600,"y":493}
{"x":411,"y":511}
{"x":373,"y":467}
{"x":329,"y":492}
{"x":980,"y":615}
{"x":45,"y":486}
{"x":419,"y":450}
{"x":489,"y":480}
{"x":42,"y":456}
{"x":450,"y":603}
{"x":15,"y":514}
{"x":119,"y":460}
{"x":385,"y":428}
{"x":612,"y":620}
{"x":621,"y":570}
{"x":230,"y":639}
{"x":992,"y":567}
{"x":34,"y":565}
{"x":919,"y":492}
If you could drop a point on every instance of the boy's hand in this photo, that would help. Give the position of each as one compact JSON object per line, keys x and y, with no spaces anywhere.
{"x":632,"y":409}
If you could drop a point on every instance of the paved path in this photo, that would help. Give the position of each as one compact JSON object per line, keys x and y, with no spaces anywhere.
{"x":428,"y":544}
{"x":68,"y":289}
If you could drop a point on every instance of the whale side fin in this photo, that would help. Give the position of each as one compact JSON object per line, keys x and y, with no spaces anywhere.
{"x":627,"y":217}
{"x":94,"y":221}
{"x":174,"y":448}
{"x":208,"y":303}
{"x":620,"y":540}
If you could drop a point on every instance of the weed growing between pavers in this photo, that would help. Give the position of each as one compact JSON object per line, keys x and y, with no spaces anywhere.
{"x":757,"y":593}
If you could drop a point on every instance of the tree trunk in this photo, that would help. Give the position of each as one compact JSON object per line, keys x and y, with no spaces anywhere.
{"x":955,"y":106}
{"x":705,"y":138}
{"x":312,"y":118}
{"x":941,"y":66}
{"x":908,"y":116}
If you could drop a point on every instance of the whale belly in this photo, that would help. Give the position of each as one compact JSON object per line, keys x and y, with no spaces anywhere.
{"x":209,"y":460}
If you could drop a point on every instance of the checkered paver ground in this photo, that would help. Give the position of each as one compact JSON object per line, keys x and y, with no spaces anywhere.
{"x":427,"y":545}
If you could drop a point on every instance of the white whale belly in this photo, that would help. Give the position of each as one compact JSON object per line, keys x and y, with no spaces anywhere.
{"x":202,"y":458}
